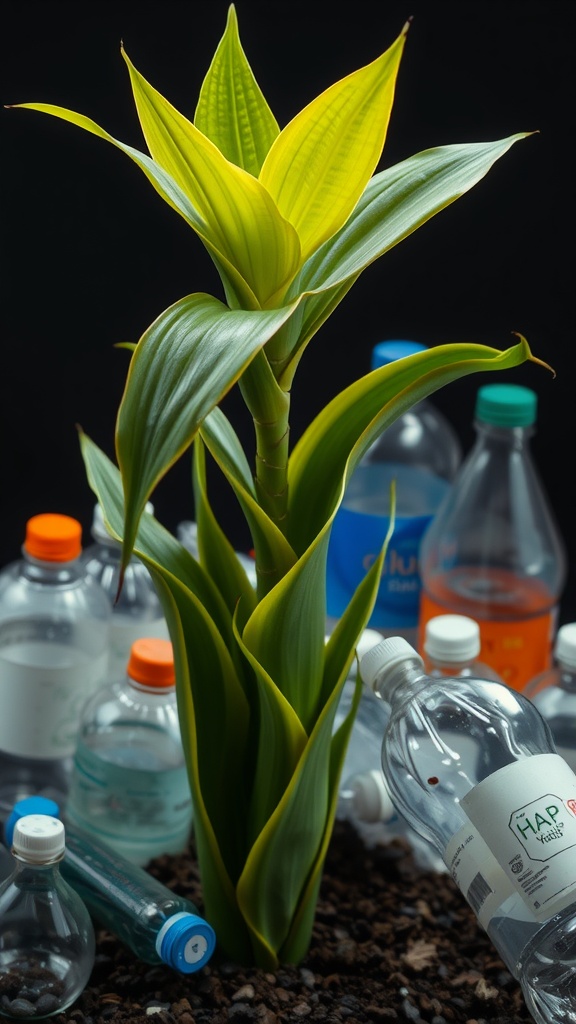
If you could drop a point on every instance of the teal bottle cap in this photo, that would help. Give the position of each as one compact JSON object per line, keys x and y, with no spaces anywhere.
{"x":30,"y":805}
{"x":506,"y":405}
{"x":389,"y":351}
{"x":185,"y":942}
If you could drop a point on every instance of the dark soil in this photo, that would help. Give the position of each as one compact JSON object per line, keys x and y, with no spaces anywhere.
{"x":390,"y":943}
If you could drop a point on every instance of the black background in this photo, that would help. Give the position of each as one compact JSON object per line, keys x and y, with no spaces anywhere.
{"x":92,"y":255}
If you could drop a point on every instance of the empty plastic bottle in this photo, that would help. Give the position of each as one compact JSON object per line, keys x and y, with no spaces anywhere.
{"x":554,"y":693}
{"x":507,"y":834}
{"x":363,"y":798}
{"x":155,"y":923}
{"x":137,"y":610}
{"x":451,"y":648}
{"x":46,"y":934}
{"x":129,"y":783}
{"x":54,"y":633}
{"x":493,"y":551}
{"x":421,"y":452}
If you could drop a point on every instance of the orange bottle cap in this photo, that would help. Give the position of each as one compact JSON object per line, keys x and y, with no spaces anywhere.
{"x":51,"y":537}
{"x":151,"y":662}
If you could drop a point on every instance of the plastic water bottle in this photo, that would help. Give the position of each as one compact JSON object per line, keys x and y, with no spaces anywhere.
{"x":451,"y":648}
{"x":155,"y":923}
{"x":421,"y":452}
{"x":129,"y":782}
{"x":138,"y":610}
{"x":363,"y":798}
{"x":46,"y":934}
{"x":54,"y":633}
{"x":493,"y":551}
{"x":507,"y":833}
{"x":554,"y":693}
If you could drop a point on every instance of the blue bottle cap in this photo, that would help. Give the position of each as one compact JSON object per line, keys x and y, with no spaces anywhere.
{"x":388,"y":351}
{"x":506,"y":405}
{"x":31,"y":805}
{"x":185,"y":942}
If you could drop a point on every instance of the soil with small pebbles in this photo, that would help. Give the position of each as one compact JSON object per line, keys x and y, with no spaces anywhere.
{"x":391,"y":943}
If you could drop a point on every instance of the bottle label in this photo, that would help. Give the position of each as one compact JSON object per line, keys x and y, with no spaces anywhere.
{"x":526,"y":814}
{"x":478,"y":875}
{"x":517,"y":649}
{"x":43,"y":688}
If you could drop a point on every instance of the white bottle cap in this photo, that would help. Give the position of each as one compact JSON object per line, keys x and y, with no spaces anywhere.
{"x":452,"y":638}
{"x":565,"y":646}
{"x":38,"y":838}
{"x":386,"y":656}
{"x":371,"y":800}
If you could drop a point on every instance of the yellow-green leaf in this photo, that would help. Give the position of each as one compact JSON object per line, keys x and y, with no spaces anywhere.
{"x":321,"y":162}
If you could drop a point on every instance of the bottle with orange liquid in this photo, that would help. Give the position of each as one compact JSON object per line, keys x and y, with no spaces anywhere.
{"x":493,"y":551}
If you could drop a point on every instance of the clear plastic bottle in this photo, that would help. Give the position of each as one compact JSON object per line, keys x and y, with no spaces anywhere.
{"x":138,"y":610}
{"x":451,"y":648}
{"x":554,"y":693}
{"x":363,"y":798}
{"x":493,"y":551}
{"x":421,"y":452}
{"x":46,"y":934}
{"x":129,"y":782}
{"x":54,"y":634}
{"x":507,"y":835}
{"x":155,"y":923}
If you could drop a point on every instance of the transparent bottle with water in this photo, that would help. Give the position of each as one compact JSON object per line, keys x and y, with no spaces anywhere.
{"x":505,"y":825}
{"x":493,"y":551}
{"x":54,"y":634}
{"x":129,"y":783}
{"x":157,"y":924}
{"x":46,"y":935}
{"x":421,"y":452}
{"x":136,"y":610}
{"x":554,"y":693}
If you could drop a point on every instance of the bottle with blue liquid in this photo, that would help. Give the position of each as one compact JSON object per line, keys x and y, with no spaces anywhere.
{"x":421,"y":452}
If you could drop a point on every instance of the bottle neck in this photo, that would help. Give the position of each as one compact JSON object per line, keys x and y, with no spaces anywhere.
{"x":45,"y":874}
{"x":509,"y":437}
{"x":38,"y":571}
{"x":402,"y":681}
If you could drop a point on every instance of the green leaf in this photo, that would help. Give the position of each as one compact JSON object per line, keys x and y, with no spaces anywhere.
{"x":237,"y":289}
{"x":320,"y":163}
{"x":332,"y":445}
{"x":232,"y":111}
{"x":241,"y":218}
{"x":183,"y":365}
{"x":394,"y":204}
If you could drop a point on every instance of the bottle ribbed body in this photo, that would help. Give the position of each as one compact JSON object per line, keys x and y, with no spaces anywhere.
{"x":420,"y":452}
{"x":493,"y":551}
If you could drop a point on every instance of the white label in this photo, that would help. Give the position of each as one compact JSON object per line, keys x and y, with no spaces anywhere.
{"x":526,"y":813}
{"x":43,"y":689}
{"x":478,"y":875}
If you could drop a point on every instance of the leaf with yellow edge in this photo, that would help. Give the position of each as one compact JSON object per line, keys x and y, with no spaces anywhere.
{"x":231,"y":110}
{"x":243,"y":221}
{"x":321,"y":162}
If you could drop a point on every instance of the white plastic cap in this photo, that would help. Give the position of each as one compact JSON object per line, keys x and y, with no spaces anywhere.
{"x":370,"y":799}
{"x":38,"y":838}
{"x":386,"y":656}
{"x":452,"y":638}
{"x":565,"y":646}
